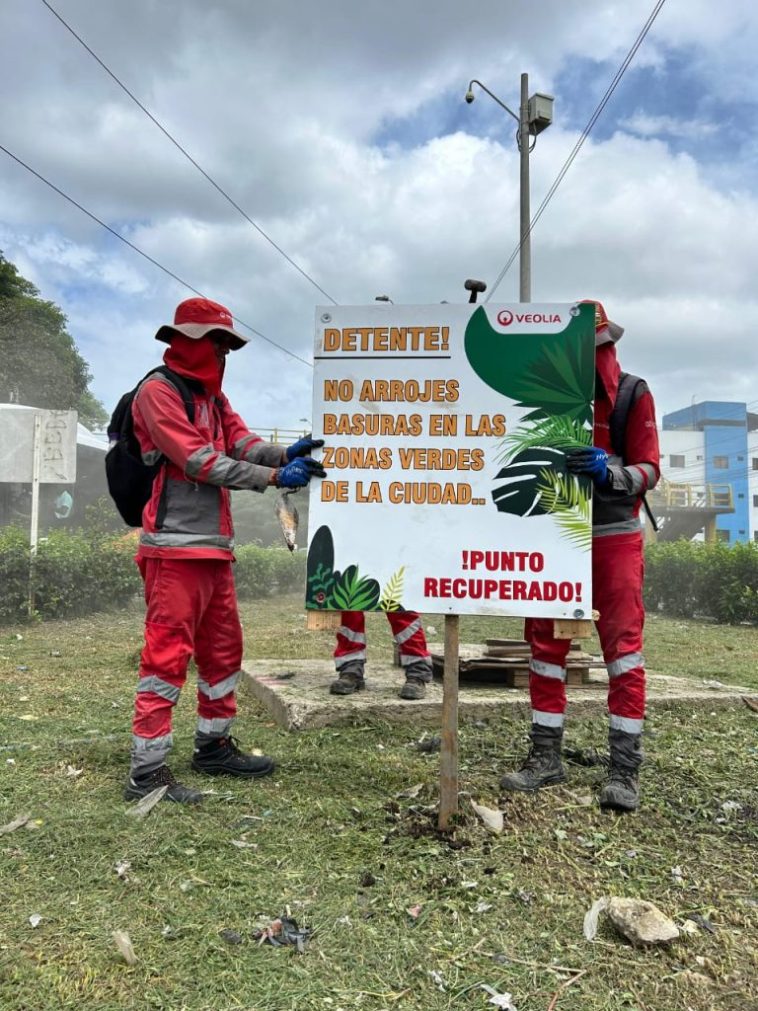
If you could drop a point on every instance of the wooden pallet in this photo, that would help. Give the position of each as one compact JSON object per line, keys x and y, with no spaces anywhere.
{"x":505,"y":662}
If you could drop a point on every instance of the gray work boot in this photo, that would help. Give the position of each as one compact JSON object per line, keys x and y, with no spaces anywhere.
{"x":349,"y":679}
{"x":417,"y":675}
{"x":622,"y":791}
{"x":414,"y":688}
{"x":542,"y":766}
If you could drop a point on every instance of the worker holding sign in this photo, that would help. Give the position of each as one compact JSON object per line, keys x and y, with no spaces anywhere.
{"x":623,"y":464}
{"x":350,"y":653}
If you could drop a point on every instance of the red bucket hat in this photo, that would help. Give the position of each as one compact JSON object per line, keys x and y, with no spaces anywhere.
{"x":196,"y":317}
{"x":606,"y":331}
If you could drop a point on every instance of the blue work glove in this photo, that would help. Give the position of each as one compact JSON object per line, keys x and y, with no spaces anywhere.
{"x":590,"y":461}
{"x":298,"y":473}
{"x":302,"y":447}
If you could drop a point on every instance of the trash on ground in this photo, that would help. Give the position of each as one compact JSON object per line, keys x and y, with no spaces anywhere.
{"x":702,"y":922}
{"x":677,"y":876}
{"x":243,"y":844}
{"x":35,"y":919}
{"x":501,"y":1000}
{"x":493,"y":820}
{"x":427,"y":744}
{"x":287,"y":514}
{"x":414,"y":911}
{"x":482,"y":907}
{"x":18,"y":822}
{"x":591,"y":917}
{"x":125,"y":947}
{"x":122,"y":869}
{"x":731,"y":805}
{"x":526,"y":897}
{"x":143,"y":807}
{"x":412,"y":792}
{"x":283,"y":931}
{"x":28,"y":718}
{"x":714,"y":685}
{"x":230,"y":936}
{"x":587,"y":757}
{"x":689,"y":928}
{"x":72,"y":772}
{"x":438,"y":979}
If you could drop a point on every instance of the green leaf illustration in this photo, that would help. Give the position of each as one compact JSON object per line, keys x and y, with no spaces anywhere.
{"x":392,"y":593}
{"x":353,"y":593}
{"x":552,"y":373}
{"x":567,"y":499}
{"x":558,"y":432}
{"x":520,"y":493}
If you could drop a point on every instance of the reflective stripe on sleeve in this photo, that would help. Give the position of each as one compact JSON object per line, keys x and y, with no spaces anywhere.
{"x":140,"y":744}
{"x":340,"y":661}
{"x":195,"y":462}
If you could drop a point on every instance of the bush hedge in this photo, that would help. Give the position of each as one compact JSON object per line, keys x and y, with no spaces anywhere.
{"x":78,"y":572}
{"x":689,"y":579}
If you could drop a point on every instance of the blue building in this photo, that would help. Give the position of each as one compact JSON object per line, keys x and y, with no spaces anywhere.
{"x":721,"y":449}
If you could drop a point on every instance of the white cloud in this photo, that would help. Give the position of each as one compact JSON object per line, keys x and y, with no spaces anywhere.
{"x":280,"y":104}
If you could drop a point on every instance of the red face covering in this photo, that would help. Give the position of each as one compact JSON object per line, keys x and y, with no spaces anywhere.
{"x":197,"y":360}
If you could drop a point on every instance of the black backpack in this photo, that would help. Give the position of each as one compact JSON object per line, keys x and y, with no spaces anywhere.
{"x":630,"y":389}
{"x":130,"y":481}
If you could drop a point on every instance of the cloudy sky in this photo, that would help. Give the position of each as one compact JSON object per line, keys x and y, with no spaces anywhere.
{"x":339,"y":126}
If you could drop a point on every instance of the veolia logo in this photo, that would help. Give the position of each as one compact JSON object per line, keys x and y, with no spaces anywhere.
{"x":505,"y":317}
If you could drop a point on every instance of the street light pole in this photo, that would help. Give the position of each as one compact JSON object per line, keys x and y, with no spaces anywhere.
{"x":535,"y":115}
{"x":525,"y":248}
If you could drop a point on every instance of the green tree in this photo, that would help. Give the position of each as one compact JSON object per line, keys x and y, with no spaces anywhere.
{"x":39,"y":363}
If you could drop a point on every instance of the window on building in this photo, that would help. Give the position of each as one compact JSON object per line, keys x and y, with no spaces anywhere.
{"x":755,"y":463}
{"x":755,"y":501}
{"x":740,"y":458}
{"x":723,"y":536}
{"x":755,"y":536}
{"x":676,"y":460}
{"x":721,"y":463}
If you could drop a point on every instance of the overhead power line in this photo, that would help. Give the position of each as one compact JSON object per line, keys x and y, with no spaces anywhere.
{"x":187,"y":155}
{"x":578,"y":146}
{"x":143,"y":254}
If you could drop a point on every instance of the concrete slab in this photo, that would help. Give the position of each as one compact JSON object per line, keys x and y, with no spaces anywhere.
{"x":296,"y":693}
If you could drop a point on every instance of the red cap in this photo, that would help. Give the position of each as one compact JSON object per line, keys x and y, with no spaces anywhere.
{"x":196,"y":317}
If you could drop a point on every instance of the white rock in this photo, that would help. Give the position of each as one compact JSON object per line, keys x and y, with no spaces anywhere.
{"x":641,"y":922}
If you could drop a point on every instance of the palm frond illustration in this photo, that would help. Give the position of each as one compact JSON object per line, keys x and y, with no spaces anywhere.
{"x":567,"y":499}
{"x":558,"y":432}
{"x":559,"y":382}
{"x":520,"y":492}
{"x":392,"y":594}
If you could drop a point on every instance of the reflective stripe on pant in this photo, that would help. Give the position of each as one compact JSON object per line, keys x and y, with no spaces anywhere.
{"x":617,"y":576}
{"x":407,"y":631}
{"x":191,"y":610}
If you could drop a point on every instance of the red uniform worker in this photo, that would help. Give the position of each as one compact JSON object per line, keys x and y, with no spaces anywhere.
{"x":617,"y":577}
{"x":350,"y":653}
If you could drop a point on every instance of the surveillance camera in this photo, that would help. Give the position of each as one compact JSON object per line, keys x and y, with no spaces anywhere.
{"x":469,"y":96}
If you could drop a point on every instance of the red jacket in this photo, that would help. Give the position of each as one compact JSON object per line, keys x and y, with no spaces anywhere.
{"x":616,"y":511}
{"x":189,"y":512}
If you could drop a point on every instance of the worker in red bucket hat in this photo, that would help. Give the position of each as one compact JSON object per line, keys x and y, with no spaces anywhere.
{"x":182,"y":419}
{"x":623,"y":464}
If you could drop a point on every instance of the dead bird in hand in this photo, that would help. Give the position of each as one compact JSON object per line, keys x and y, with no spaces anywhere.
{"x":286,"y":513}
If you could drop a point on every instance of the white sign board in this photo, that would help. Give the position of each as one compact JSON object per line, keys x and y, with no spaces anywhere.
{"x":445,"y":431}
{"x":57,"y":447}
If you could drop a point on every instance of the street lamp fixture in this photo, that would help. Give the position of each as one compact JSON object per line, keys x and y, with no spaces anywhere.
{"x":535,"y":115}
{"x":383,"y":298}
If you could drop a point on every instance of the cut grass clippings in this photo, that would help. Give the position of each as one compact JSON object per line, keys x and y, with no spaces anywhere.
{"x":400,"y":916}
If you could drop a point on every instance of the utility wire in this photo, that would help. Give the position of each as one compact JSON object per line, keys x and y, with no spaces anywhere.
{"x":187,"y":155}
{"x":142,"y":253}
{"x":577,"y":147}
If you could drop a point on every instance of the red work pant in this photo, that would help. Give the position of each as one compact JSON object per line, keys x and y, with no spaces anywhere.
{"x":617,"y":575}
{"x":407,"y":631}
{"x":191,"y":611}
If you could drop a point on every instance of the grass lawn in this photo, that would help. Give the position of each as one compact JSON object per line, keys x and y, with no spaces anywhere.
{"x":401,"y":917}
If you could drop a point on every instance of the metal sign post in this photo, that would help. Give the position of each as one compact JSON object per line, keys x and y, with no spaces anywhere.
{"x":34,"y":531}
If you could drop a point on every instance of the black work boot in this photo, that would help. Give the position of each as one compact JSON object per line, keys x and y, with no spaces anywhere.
{"x":414,"y":688}
{"x":622,"y":791}
{"x":542,"y":766}
{"x":140,"y":786}
{"x":349,"y":679}
{"x":222,"y":757}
